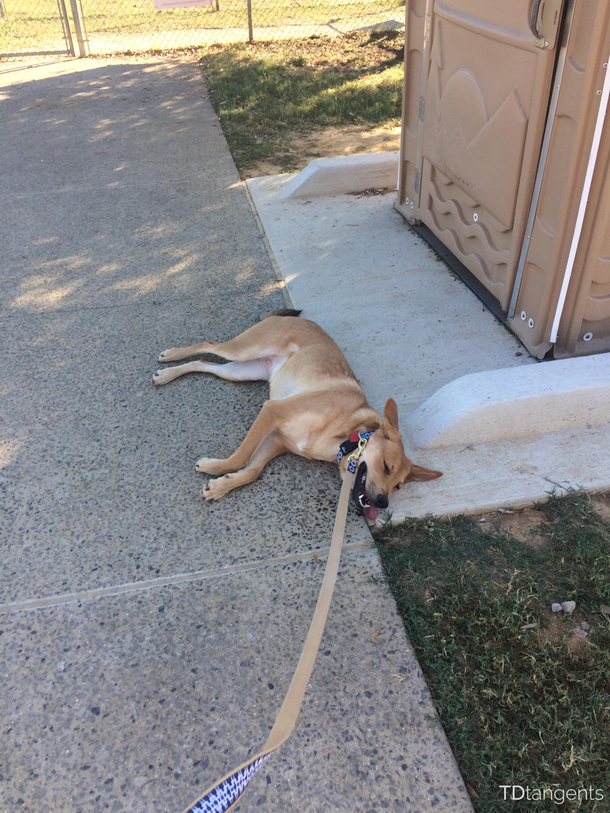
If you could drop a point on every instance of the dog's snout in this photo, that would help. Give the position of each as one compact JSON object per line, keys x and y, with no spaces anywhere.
{"x":381,"y":501}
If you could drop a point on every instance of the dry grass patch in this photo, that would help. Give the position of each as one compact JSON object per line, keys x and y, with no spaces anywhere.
{"x":330,"y":142}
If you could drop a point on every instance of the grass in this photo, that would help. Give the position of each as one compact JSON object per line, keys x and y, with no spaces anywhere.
{"x":136,"y":15}
{"x":520,"y":707}
{"x":267,"y":93}
{"x":34,"y":24}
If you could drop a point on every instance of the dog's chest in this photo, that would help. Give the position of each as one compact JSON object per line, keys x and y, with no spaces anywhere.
{"x":312,"y":444}
{"x":311,"y":447}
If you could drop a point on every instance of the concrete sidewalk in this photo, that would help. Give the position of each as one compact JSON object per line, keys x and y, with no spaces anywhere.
{"x":112,"y":42}
{"x":148,"y":638}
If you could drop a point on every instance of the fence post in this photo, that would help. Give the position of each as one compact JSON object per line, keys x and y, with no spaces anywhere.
{"x":65,"y":24}
{"x":250,"y":28}
{"x":83,"y":49}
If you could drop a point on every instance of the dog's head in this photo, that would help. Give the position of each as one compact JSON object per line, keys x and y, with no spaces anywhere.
{"x":384,"y":467}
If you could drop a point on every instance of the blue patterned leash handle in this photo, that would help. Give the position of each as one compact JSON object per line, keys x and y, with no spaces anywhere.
{"x":224,"y":794}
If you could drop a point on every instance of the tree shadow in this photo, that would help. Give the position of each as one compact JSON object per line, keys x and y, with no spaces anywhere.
{"x":125,"y":231}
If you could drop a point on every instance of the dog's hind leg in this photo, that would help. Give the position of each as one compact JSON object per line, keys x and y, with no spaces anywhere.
{"x":263,"y":339}
{"x":241,"y":348}
{"x":254,"y":370}
{"x":271,"y":446}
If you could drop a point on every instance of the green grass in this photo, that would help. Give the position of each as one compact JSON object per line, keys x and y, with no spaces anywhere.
{"x":520,"y":707}
{"x":266,"y":93}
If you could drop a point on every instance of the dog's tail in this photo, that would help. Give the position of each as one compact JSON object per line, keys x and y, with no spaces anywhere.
{"x":285,"y":312}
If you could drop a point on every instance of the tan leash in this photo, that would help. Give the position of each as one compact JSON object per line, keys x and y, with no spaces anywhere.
{"x":224,"y":794}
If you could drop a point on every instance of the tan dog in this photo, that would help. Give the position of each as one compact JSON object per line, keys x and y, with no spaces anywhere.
{"x":315,"y":404}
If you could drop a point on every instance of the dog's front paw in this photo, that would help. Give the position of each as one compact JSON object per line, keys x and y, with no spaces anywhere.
{"x":169,"y":355}
{"x":210,"y":465}
{"x":216,"y":489}
{"x":162,"y":376}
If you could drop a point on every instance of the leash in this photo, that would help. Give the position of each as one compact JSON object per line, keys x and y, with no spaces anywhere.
{"x":221,"y":796}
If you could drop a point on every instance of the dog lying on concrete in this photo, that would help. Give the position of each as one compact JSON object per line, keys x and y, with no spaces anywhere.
{"x":315,"y":404}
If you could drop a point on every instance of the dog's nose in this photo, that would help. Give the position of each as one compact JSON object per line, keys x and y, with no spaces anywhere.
{"x":381,"y":501}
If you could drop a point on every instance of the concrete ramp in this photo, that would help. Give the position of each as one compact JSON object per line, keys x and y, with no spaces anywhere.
{"x":351,"y":173}
{"x":514,"y":403}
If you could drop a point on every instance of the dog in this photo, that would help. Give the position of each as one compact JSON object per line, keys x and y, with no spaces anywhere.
{"x":315,"y":403}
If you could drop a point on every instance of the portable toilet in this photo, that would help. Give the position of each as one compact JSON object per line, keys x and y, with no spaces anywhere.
{"x":505,"y":159}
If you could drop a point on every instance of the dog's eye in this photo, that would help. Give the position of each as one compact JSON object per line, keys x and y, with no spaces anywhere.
{"x":386,"y":467}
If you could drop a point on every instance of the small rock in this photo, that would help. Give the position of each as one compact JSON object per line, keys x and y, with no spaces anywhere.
{"x":568,"y":607}
{"x":482,"y":519}
{"x":585,"y":626}
{"x":605,"y":609}
{"x":556,"y":608}
{"x":580,"y":633}
{"x":61,"y":666}
{"x":505,"y":511}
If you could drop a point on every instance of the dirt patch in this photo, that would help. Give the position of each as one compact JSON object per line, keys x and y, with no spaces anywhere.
{"x":520,"y":524}
{"x":561,"y":629}
{"x":602,"y":505}
{"x":330,"y":142}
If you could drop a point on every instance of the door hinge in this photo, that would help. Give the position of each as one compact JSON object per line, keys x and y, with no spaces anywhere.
{"x":417,"y":180}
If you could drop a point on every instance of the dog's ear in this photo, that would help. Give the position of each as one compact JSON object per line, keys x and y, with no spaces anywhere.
{"x":390,"y":416}
{"x":419,"y":473}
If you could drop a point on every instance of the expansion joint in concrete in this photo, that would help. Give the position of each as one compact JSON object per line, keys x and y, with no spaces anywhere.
{"x":167,"y":581}
{"x":276,"y":269}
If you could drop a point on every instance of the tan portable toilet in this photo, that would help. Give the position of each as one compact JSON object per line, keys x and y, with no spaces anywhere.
{"x":505,"y":159}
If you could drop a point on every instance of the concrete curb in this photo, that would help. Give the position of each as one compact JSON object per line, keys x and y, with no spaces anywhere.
{"x":514,"y":403}
{"x":345,"y":174}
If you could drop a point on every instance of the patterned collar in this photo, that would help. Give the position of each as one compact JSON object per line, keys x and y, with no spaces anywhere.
{"x":348,"y":446}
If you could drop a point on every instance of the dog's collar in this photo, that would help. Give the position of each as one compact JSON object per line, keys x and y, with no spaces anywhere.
{"x":353,"y":446}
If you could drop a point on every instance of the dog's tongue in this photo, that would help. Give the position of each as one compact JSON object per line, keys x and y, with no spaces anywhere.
{"x":371,"y":513}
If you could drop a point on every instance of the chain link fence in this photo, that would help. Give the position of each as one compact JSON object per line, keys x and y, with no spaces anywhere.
{"x":35,"y":27}
{"x":117,"y":26}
